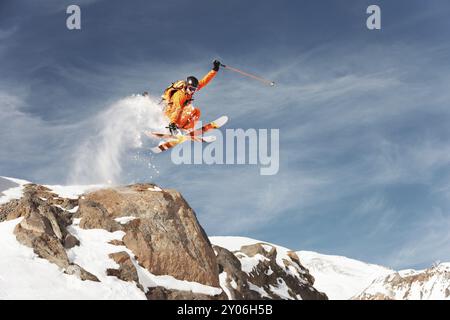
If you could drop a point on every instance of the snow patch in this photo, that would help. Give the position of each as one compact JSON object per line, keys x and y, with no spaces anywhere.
{"x":73,"y":192}
{"x":269,"y":272}
{"x":408,"y":272}
{"x":73,"y":210}
{"x":223,"y":283}
{"x":15,"y":180}
{"x":250,"y":263}
{"x":155,"y":188}
{"x":233,"y":284}
{"x":233,"y":243}
{"x":14,"y":192}
{"x":125,"y":220}
{"x":261,"y":291}
{"x":281,"y":290}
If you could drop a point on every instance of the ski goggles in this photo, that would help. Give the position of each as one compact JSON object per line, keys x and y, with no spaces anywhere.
{"x":191,"y":89}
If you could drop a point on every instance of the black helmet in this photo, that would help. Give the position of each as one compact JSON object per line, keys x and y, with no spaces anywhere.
{"x":192,"y":81}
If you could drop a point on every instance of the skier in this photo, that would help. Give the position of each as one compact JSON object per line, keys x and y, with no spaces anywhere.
{"x":178,"y":101}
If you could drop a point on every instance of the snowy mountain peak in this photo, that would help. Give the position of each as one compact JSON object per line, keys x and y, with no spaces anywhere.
{"x":428,"y":284}
{"x":340,"y":277}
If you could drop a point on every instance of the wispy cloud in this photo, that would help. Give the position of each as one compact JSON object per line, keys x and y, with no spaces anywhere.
{"x":6,"y":33}
{"x":427,"y":242}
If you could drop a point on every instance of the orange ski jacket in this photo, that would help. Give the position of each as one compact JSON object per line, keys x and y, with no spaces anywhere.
{"x":181,"y":98}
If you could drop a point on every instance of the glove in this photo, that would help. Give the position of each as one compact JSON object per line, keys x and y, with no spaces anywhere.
{"x":216,"y":64}
{"x":172,"y":127}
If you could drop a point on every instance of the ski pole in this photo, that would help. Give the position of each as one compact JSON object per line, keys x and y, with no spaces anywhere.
{"x":265,"y":81}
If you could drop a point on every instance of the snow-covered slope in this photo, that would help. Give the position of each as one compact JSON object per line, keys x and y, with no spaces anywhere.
{"x":23,"y":275}
{"x":339,"y":277}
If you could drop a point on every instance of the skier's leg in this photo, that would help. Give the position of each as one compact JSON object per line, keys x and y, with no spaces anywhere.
{"x":189,"y":117}
{"x":194,"y":117}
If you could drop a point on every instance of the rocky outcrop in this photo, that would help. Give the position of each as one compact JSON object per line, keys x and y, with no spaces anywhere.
{"x":35,"y":196}
{"x":260,"y":271}
{"x":44,"y":228}
{"x":35,"y":232}
{"x":160,"y":229}
{"x":150,"y":238}
{"x":233,"y":278}
{"x":163,"y":232}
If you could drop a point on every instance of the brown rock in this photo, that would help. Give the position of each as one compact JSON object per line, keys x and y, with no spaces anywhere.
{"x":8,"y":211}
{"x":44,"y":245}
{"x":71,"y":241}
{"x":36,"y":223}
{"x":18,"y":208}
{"x":126,"y":271}
{"x":161,"y":293}
{"x":116,"y":242}
{"x":43,"y":228}
{"x":81,"y":273}
{"x":94,"y":216}
{"x":166,"y":238}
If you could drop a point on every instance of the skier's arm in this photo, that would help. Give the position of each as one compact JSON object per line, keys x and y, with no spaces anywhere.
{"x":206,"y":79}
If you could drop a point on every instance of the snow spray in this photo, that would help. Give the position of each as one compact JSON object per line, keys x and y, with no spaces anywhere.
{"x":117,"y":130}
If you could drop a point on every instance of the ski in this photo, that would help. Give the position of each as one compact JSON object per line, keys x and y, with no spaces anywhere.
{"x":193,"y":135}
{"x":209,"y":126}
{"x":176,"y":140}
{"x":169,"y":136}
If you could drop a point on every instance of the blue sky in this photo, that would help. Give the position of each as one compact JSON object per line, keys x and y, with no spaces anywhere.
{"x":363,"y":115}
